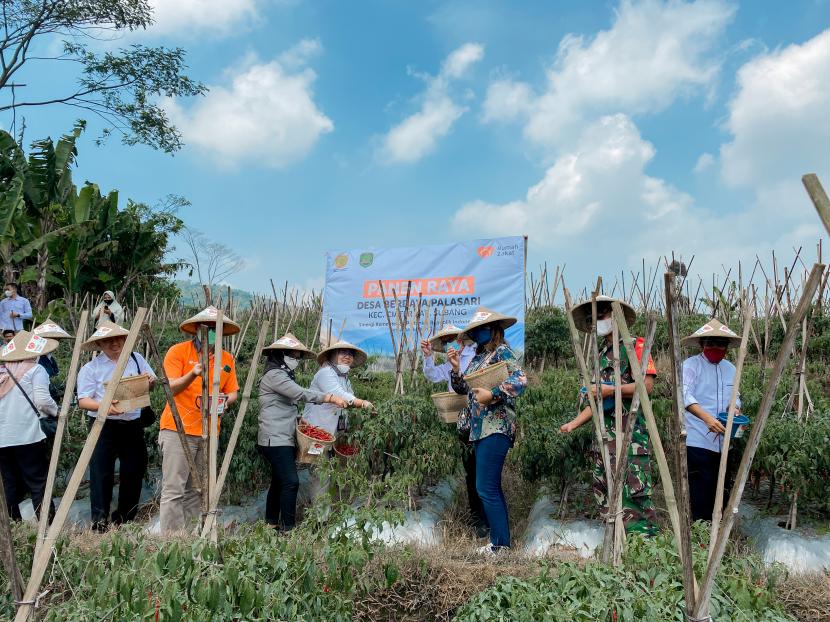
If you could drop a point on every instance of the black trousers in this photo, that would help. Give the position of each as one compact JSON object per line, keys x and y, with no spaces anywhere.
{"x":703,"y":480}
{"x":123,"y":440}
{"x":24,"y":469}
{"x":468,"y":459}
{"x":281,"y":503}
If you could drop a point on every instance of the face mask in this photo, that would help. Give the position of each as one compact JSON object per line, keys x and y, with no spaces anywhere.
{"x":8,"y":293}
{"x":290,"y":362}
{"x":605,"y":327}
{"x":714,"y":355}
{"x":481,"y":335}
{"x":343,"y":369}
{"x":107,"y":301}
{"x":211,"y":337}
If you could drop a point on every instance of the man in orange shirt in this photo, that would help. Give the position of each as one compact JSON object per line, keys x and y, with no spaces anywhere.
{"x":180,"y":499}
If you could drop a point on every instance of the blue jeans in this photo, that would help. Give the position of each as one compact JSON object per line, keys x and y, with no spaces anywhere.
{"x":490,"y":454}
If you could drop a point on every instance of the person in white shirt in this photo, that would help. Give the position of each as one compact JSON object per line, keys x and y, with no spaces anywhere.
{"x":707,"y":389}
{"x":333,"y":378}
{"x":122,"y":437}
{"x":24,"y":399}
{"x":14,"y":309}
{"x":441,"y":373}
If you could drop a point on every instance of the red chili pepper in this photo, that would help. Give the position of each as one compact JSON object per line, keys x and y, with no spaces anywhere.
{"x":346,"y":449}
{"x":318,"y":434}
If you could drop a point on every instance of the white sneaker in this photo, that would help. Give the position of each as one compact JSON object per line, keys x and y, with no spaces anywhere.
{"x":489,"y":550}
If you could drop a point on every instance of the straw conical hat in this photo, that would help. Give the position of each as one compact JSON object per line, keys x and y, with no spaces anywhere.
{"x":449,"y":330}
{"x":484,"y":316}
{"x":359,"y":355}
{"x":290,"y":342}
{"x":209,"y":316}
{"x":105,"y":330}
{"x":714,"y":329}
{"x":50,"y":330}
{"x":26,"y":346}
{"x":582,"y":313}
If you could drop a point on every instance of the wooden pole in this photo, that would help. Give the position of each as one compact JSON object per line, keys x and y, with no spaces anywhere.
{"x":621,"y":466}
{"x":66,"y":404}
{"x":210,"y":520}
{"x":7,"y":548}
{"x":204,"y":359}
{"x":213,"y":436}
{"x":174,"y":409}
{"x":651,"y":425}
{"x":41,"y":560}
{"x":819,"y":198}
{"x":754,"y":440}
{"x":596,"y":413}
{"x":724,"y":452}
{"x":680,"y":458}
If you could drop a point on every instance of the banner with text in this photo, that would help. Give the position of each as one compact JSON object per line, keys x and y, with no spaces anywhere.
{"x":450,"y":280}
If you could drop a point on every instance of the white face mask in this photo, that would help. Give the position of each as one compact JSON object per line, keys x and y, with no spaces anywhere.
{"x":343,"y":369}
{"x":290,"y":362}
{"x":8,"y":293}
{"x":605,"y":327}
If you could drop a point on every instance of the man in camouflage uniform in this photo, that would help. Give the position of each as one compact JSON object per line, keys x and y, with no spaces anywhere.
{"x":639,"y":514}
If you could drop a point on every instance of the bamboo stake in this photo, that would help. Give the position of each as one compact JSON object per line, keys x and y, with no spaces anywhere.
{"x":41,"y":560}
{"x":7,"y":548}
{"x":210,"y":520}
{"x":679,"y":410}
{"x":174,"y":409}
{"x":596,"y":414}
{"x":755,"y":439}
{"x":204,"y":358}
{"x":727,"y":437}
{"x":213,"y":436}
{"x":819,"y":198}
{"x":66,"y":404}
{"x":651,"y":425}
{"x":621,"y":466}
{"x":619,"y":528}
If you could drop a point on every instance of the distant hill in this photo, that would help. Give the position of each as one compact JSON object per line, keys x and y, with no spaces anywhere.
{"x":190,"y":290}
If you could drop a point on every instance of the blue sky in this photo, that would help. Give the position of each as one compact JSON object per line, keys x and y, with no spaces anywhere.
{"x":606,"y":131}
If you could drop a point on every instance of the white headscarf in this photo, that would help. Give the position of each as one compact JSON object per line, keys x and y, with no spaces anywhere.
{"x":115,"y":309}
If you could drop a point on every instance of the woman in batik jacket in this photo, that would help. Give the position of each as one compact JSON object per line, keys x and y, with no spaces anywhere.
{"x":490,"y":415}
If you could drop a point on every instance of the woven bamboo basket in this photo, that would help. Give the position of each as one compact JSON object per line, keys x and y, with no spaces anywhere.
{"x":448,"y":405}
{"x":489,"y":377}
{"x":310,"y":450}
{"x":132,"y":393}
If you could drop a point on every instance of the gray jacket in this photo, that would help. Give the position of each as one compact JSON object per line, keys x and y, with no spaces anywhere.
{"x":278,"y":397}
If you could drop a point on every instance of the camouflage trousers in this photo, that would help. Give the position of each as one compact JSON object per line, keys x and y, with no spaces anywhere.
{"x":639,"y":513}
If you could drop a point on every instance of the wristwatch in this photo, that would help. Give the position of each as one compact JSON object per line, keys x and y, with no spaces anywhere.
{"x":350,"y":402}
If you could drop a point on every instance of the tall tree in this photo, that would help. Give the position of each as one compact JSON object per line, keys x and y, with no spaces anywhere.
{"x":122,"y":87}
{"x":68,"y":241}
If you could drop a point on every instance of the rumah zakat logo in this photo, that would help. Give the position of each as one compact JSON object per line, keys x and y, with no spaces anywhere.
{"x":485,"y":251}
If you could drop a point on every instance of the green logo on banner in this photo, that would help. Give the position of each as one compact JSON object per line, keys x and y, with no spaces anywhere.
{"x":366,"y":259}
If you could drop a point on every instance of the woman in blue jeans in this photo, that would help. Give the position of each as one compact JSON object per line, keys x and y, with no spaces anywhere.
{"x":490,"y":415}
{"x":279,"y":395}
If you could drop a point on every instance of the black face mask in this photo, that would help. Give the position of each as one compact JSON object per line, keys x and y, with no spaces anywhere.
{"x":107,"y":301}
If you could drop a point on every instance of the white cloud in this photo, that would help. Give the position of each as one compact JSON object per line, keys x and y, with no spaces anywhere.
{"x":779,"y":117}
{"x":300,"y":54}
{"x":654,"y":53}
{"x":599,"y":211}
{"x":600,"y":184}
{"x":704,"y":162}
{"x":191,"y":16}
{"x":418,"y":134}
{"x":266,"y":115}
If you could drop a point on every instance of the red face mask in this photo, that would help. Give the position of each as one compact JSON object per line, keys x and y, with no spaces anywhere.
{"x":714,"y":355}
